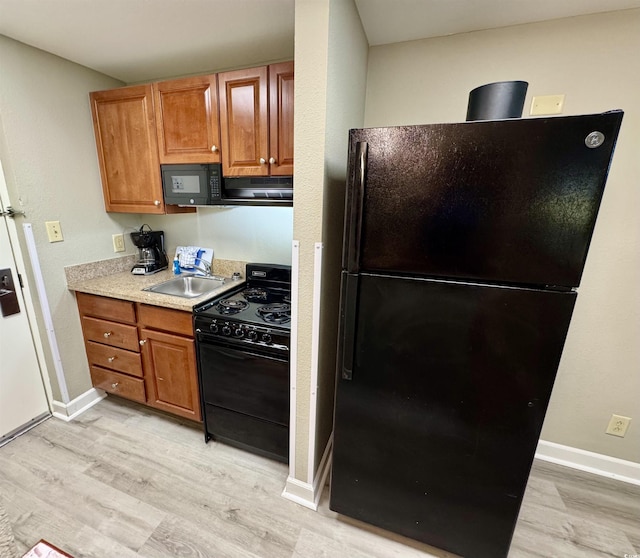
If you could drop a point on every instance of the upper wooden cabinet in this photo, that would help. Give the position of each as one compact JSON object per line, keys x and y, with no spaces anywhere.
{"x":256,"y":121}
{"x":187,"y":120}
{"x":124,"y":125}
{"x":281,"y":119}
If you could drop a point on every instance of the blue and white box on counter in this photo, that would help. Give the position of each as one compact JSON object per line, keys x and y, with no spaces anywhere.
{"x":192,"y":257}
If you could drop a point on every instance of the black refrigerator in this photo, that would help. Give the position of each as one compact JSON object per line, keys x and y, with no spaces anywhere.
{"x":464,"y":246}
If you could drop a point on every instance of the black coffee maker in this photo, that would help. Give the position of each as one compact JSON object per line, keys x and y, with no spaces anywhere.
{"x":152,"y":257}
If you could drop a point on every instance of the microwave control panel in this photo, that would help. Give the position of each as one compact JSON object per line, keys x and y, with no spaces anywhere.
{"x":214,"y":184}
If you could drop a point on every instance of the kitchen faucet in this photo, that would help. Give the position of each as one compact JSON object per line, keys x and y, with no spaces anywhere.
{"x":206,"y":269}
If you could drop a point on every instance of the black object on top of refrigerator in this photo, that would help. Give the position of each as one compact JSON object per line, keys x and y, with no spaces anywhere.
{"x":464,"y":244}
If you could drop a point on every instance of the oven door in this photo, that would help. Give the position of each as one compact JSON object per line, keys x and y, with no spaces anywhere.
{"x":245,"y":397}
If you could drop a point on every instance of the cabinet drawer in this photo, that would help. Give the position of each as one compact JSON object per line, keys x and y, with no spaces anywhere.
{"x":110,"y":333}
{"x":166,"y":319}
{"x":118,"y":384}
{"x":107,"y":308}
{"x":114,"y":358}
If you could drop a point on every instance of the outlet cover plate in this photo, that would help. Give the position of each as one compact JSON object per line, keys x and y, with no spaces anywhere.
{"x":618,"y":425}
{"x":547,"y":104}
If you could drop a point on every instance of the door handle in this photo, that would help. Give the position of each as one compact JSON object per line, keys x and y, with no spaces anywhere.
{"x":347,"y":326}
{"x":8,"y":296}
{"x":355,"y":198}
{"x":10,"y":212}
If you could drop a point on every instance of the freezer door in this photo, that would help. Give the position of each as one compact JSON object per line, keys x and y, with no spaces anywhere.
{"x":437,"y":425}
{"x":510,"y":201}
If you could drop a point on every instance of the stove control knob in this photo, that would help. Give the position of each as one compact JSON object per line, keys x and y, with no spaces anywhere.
{"x":266,"y":338}
{"x":226,"y":330}
{"x":213,"y":328}
{"x":253,"y":335}
{"x":238,"y":332}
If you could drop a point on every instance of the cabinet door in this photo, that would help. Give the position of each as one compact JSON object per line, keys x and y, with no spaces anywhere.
{"x":187,"y":120}
{"x":244,"y":122}
{"x":281,"y":119}
{"x":171,"y":376}
{"x":126,"y":141}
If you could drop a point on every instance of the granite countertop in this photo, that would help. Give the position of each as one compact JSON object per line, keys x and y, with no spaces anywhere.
{"x":113,"y":278}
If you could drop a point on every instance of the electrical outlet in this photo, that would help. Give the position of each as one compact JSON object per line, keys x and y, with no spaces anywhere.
{"x":618,"y":425}
{"x":118,"y":242}
{"x":54,"y":232}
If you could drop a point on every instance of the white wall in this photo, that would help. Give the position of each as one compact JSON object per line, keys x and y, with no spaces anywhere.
{"x":346,"y":64}
{"x":331,"y":53}
{"x":48,"y":152}
{"x":593,"y":61}
{"x":250,"y":234}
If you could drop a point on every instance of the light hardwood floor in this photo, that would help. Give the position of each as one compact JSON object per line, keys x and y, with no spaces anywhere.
{"x":124,"y":481}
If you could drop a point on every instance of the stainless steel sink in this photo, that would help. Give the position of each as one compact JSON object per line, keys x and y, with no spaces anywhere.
{"x":188,"y":286}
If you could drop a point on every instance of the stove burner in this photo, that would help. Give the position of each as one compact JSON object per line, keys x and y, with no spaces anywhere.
{"x":231,"y":306}
{"x":255,"y":294}
{"x":275,"y":313}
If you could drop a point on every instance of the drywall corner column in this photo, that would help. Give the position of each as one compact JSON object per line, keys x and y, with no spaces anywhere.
{"x":311,"y":46}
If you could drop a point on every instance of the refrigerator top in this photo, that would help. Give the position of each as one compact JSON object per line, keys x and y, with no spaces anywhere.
{"x":505,"y":201}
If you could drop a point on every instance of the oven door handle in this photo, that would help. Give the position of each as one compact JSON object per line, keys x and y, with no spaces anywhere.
{"x":239,"y":353}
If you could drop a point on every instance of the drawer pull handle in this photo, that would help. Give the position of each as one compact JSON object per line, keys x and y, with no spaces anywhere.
{"x":107,"y":334}
{"x":111,"y":359}
{"x":272,"y":160}
{"x":142,"y":341}
{"x":114,"y":385}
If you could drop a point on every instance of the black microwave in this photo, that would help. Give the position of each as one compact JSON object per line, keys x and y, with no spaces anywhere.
{"x":203,"y":184}
{"x":192,"y":184}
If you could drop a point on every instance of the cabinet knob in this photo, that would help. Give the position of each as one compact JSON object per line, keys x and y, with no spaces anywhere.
{"x":114,"y":385}
{"x":262,"y":161}
{"x":111,"y":359}
{"x":214,"y":148}
{"x":142,"y":341}
{"x":272,"y":160}
{"x":156,"y":202}
{"x":106,"y":334}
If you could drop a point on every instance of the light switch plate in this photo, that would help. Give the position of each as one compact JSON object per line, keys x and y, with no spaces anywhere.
{"x":54,"y":232}
{"x":547,"y":104}
{"x":118,"y":242}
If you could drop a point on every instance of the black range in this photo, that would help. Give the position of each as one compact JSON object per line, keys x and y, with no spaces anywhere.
{"x":243,"y":346}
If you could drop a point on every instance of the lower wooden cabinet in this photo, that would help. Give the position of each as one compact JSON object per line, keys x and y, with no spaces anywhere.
{"x":141,"y":352}
{"x":168,"y":363}
{"x":118,"y":384}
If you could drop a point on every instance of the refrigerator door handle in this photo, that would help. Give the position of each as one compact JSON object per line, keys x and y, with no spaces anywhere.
{"x":356,"y":208}
{"x":348,"y":325}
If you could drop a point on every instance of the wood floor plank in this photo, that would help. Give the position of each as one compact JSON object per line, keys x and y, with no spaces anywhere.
{"x":313,"y":545}
{"x":123,"y":480}
{"x":177,"y":537}
{"x":242,"y":523}
{"x":34,"y":518}
{"x":114,"y":513}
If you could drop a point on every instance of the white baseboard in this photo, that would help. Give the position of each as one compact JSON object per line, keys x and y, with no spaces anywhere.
{"x":69,"y":411}
{"x":305,"y":494}
{"x":596,"y":463}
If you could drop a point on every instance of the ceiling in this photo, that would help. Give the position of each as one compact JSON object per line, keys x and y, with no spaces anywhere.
{"x":143,"y":40}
